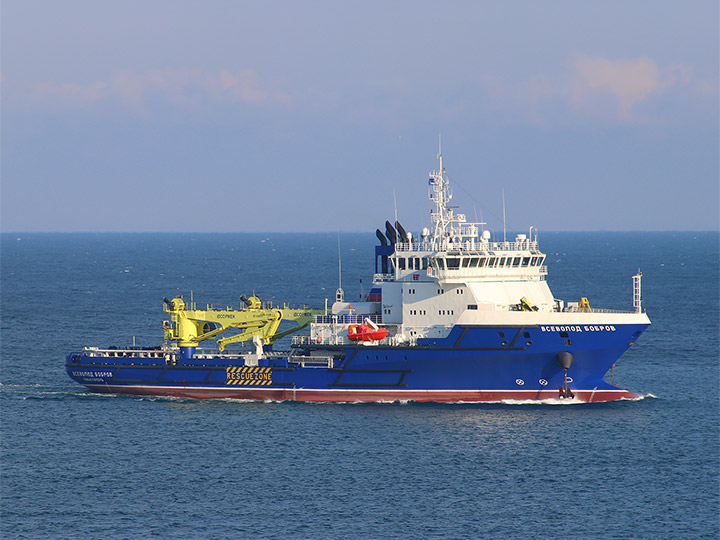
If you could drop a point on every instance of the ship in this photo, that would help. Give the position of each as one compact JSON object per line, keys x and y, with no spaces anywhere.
{"x":453,"y":315}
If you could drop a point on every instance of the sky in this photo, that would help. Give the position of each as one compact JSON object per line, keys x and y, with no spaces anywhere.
{"x":230,"y":116}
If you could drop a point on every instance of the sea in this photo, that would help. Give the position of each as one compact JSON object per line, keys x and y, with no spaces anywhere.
{"x":76,"y":465}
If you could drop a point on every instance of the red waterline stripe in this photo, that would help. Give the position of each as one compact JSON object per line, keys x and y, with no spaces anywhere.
{"x":360,"y":395}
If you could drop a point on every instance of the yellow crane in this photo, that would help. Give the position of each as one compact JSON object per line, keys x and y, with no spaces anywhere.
{"x":189,"y":326}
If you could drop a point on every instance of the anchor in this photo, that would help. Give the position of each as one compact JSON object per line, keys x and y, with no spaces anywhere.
{"x":565,"y":359}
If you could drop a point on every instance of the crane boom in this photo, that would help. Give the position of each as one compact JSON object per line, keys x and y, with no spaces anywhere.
{"x":189,"y":327}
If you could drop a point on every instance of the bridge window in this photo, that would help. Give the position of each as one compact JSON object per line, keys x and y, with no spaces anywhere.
{"x":502,"y":261}
{"x":401,"y":263}
{"x":526,"y":261}
{"x":453,"y":263}
{"x":516,"y":261}
{"x":466,"y":262}
{"x":481,"y":262}
{"x":424,"y":263}
{"x":491,"y":262}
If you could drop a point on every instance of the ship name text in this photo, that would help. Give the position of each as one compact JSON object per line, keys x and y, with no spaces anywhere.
{"x":578,"y":328}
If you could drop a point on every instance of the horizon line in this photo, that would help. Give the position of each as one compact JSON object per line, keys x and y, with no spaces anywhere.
{"x":351,"y":232}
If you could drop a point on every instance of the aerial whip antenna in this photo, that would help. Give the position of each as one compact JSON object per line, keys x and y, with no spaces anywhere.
{"x":395,"y":205}
{"x":339,"y":294}
{"x":504,"y":228}
{"x":440,"y":152}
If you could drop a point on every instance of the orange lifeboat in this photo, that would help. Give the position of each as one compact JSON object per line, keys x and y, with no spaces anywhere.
{"x":367,"y":331}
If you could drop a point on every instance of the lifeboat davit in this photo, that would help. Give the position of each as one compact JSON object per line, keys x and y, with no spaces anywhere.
{"x":367,"y":331}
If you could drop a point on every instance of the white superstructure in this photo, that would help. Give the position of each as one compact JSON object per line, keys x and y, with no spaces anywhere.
{"x":456,"y":274}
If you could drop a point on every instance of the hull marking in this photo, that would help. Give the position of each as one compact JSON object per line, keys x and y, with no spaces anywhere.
{"x":249,"y":376}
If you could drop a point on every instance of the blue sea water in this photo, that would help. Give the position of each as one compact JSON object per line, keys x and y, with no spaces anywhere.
{"x":79,"y":465}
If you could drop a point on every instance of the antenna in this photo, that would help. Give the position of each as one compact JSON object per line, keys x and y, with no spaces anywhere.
{"x":339,"y":294}
{"x":504,"y":228}
{"x":440,"y":152}
{"x":395,"y":205}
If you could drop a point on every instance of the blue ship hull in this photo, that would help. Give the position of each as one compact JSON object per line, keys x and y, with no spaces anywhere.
{"x":471,"y":364}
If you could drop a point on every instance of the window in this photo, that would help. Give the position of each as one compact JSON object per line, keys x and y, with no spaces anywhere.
{"x":481,"y":262}
{"x":466,"y":262}
{"x":453,"y":263}
{"x":472,"y":306}
{"x":424,"y":263}
{"x":491,"y":262}
{"x":401,"y":263}
{"x":502,"y":261}
{"x":516,"y":261}
{"x":526,"y":261}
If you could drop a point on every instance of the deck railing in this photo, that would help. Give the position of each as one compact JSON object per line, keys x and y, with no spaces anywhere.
{"x":478,"y":245}
{"x":353,"y":318}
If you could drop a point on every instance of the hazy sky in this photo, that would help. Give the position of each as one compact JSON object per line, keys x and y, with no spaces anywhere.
{"x":175,"y":115}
